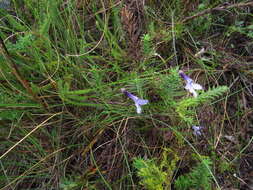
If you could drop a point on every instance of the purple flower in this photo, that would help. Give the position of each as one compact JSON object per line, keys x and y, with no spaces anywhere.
{"x":137,"y":101}
{"x":197,"y":130}
{"x":191,"y":86}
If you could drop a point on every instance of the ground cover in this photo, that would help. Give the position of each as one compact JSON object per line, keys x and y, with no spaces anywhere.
{"x":110,"y":94}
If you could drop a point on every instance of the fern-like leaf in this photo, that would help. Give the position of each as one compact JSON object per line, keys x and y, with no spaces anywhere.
{"x":199,"y":178}
{"x":152,"y":178}
{"x":170,"y":87}
{"x":185,"y":107}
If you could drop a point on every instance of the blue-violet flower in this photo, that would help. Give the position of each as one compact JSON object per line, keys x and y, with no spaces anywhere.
{"x":191,"y":86}
{"x":197,"y":130}
{"x":137,"y":101}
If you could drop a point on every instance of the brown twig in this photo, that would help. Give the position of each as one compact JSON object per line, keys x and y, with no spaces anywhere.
{"x":218,"y":8}
{"x":18,"y":75}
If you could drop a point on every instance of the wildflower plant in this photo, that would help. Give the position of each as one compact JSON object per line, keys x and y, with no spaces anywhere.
{"x":138,"y":102}
{"x":191,"y":86}
{"x":197,"y":130}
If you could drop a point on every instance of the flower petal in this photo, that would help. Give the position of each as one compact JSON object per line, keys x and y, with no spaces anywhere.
{"x":138,"y":108}
{"x":196,"y":86}
{"x":184,"y":76}
{"x":191,"y":86}
{"x":142,"y":102}
{"x":133,"y":97}
{"x":197,"y":130}
{"x":188,"y":86}
{"x":193,"y":91}
{"x":137,"y":101}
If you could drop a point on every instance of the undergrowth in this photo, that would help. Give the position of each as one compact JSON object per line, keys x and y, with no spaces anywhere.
{"x":65,"y":123}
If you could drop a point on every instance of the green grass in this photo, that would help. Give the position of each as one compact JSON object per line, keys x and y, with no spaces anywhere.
{"x":65,"y":124}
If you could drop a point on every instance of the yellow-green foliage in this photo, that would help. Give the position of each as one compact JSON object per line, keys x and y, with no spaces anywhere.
{"x":152,"y":177}
{"x":156,"y":176}
{"x":169,"y":164}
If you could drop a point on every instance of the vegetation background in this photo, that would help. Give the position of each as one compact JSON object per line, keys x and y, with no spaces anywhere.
{"x":65,"y":124}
